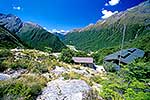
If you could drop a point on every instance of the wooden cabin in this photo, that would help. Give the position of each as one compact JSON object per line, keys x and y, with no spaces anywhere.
{"x":85,"y":61}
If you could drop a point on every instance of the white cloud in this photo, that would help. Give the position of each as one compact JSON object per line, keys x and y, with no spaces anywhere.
{"x":45,"y":28}
{"x":112,"y":2}
{"x":17,"y":8}
{"x":59,"y":31}
{"x":106,"y":4}
{"x":107,"y":13}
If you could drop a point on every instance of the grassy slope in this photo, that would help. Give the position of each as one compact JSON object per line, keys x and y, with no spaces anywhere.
{"x":107,"y":33}
{"x":142,"y":43}
{"x":7,"y":40}
{"x":39,"y":38}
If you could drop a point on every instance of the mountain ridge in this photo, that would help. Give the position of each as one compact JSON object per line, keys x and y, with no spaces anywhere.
{"x":27,"y":31}
{"x":108,"y":32}
{"x":8,"y":40}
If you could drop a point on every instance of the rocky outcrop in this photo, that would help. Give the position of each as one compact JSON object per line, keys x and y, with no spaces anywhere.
{"x":67,"y":90}
{"x":9,"y":74}
{"x":83,"y":71}
{"x":4,"y":76}
{"x":61,"y":88}
{"x":10,"y":22}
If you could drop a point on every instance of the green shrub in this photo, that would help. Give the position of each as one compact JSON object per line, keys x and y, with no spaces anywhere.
{"x":67,"y":54}
{"x":24,"y":88}
{"x":71,"y":75}
{"x":130,"y":83}
{"x":4,"y":54}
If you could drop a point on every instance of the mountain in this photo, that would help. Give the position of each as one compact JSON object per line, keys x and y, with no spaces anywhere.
{"x":109,"y":32}
{"x":60,"y":35}
{"x":10,"y":22}
{"x":8,"y":40}
{"x":31,"y":34}
{"x":37,"y":37}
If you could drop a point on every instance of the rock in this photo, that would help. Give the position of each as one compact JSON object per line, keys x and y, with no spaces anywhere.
{"x":9,"y":71}
{"x":14,"y":73}
{"x":4,"y":77}
{"x":82,"y":72}
{"x":100,"y":69}
{"x":59,"y":70}
{"x":65,"y":90}
{"x":10,"y":22}
{"x":17,"y":73}
{"x":46,"y":75}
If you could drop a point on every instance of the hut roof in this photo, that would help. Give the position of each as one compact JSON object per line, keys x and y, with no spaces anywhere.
{"x":125,"y":56}
{"x":82,"y":60}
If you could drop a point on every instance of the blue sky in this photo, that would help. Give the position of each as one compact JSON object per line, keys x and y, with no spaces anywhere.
{"x":64,"y":14}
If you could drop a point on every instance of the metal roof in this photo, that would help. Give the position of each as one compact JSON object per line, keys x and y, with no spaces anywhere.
{"x":82,"y":59}
{"x":125,"y":56}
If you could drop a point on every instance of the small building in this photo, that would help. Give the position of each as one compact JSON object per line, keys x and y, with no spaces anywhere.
{"x":125,"y":56}
{"x":85,"y":61}
{"x":122,"y":57}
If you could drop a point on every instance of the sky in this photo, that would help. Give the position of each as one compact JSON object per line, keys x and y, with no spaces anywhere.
{"x":64,"y":14}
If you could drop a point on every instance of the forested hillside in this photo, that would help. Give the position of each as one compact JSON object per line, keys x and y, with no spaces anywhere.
{"x":109,"y":32}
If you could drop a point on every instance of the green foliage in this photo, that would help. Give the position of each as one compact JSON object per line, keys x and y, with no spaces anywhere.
{"x":38,"y":38}
{"x":33,"y":60}
{"x":97,"y":79}
{"x":4,"y":54}
{"x":47,"y":49}
{"x":132,"y":95}
{"x":140,"y":70}
{"x":8,"y":40}
{"x":24,"y":88}
{"x":108,"y":33}
{"x":100,"y":54}
{"x":142,"y":43}
{"x":130,"y":83}
{"x":71,"y":75}
{"x":67,"y":54}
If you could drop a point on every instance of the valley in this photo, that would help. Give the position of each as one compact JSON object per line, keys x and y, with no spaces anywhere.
{"x":36,"y":64}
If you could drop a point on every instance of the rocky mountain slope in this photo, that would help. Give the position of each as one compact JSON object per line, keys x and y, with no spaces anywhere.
{"x":10,"y":22}
{"x":31,"y":34}
{"x":108,"y":32}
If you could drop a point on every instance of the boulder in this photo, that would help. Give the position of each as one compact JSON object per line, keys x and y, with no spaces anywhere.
{"x":60,"y":89}
{"x":59,"y":70}
{"x":4,"y":77}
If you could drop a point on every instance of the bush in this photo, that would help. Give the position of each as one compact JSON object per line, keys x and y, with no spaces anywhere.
{"x":100,"y":54}
{"x":4,"y":54}
{"x":129,"y":83}
{"x":24,"y":88}
{"x":15,"y":90}
{"x":67,"y":54}
{"x":71,"y":75}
